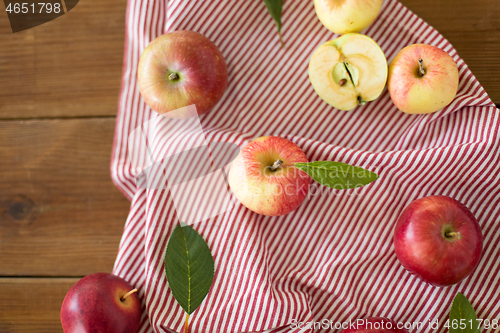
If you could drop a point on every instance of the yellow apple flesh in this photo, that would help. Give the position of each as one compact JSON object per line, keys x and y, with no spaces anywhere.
{"x":345,"y":16}
{"x":422,"y":79}
{"x":348,"y":71}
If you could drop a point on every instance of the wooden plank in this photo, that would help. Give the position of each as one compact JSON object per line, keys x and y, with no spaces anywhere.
{"x":60,"y":213}
{"x":473,"y":28}
{"x":70,"y":66}
{"x":32,"y":304}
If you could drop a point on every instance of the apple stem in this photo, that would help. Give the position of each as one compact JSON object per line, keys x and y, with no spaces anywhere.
{"x":128,"y":294}
{"x":186,"y":326}
{"x":281,"y":39}
{"x":173,"y":76}
{"x":276,"y":165}
{"x":451,"y":234}
{"x":421,"y":68}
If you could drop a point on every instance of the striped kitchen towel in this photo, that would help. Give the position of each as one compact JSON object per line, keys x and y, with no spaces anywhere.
{"x":332,"y":259}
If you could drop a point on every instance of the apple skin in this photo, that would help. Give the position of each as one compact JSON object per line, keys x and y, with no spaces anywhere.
{"x":424,"y":249}
{"x":416,"y":94}
{"x":93,"y":305}
{"x":383,"y":324}
{"x":266,"y":192}
{"x":199,"y":65}
{"x":345,"y":16}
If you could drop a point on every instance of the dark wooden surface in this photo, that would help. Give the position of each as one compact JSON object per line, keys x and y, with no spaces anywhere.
{"x":60,"y":215}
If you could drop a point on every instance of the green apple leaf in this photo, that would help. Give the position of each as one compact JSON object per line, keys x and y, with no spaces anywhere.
{"x":463,"y":318}
{"x":337,"y":175}
{"x":274,"y":8}
{"x":189,"y":266}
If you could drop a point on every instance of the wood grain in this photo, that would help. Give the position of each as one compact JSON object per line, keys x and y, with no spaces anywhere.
{"x":60,"y":213}
{"x":70,"y":66}
{"x":473,"y":28}
{"x":32,"y":304}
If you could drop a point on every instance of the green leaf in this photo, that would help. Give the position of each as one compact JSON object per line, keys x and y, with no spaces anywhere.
{"x":337,"y":175}
{"x":189,"y":266}
{"x":463,"y":318}
{"x":274,"y":8}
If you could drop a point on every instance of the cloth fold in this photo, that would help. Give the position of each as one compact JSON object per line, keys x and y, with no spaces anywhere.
{"x":332,"y":259}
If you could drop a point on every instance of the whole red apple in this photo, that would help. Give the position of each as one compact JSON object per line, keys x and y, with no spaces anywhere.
{"x":437,"y":239}
{"x":374,"y":325}
{"x":422,"y":79}
{"x":179,"y":69}
{"x":264,"y":179}
{"x":96,"y":303}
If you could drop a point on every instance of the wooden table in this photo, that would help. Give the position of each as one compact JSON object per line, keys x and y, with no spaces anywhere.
{"x":60,"y":215}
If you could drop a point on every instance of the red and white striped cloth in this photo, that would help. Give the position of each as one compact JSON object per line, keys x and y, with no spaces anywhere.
{"x":333,"y":257}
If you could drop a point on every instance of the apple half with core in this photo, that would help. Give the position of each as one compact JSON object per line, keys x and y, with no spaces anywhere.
{"x":101,"y":302}
{"x":348,"y":71}
{"x":263,"y":176}
{"x":439,"y":240}
{"x":374,"y":325}
{"x":422,"y":79}
{"x":179,"y":69}
{"x":345,"y":16}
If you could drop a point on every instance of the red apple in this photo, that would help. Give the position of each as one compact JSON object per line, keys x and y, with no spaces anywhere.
{"x":374,"y":325}
{"x":263,"y":177}
{"x":422,"y":79}
{"x":101,"y":302}
{"x":438,"y":239}
{"x":179,"y":69}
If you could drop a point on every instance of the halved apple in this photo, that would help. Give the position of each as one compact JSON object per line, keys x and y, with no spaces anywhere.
{"x":348,"y":71}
